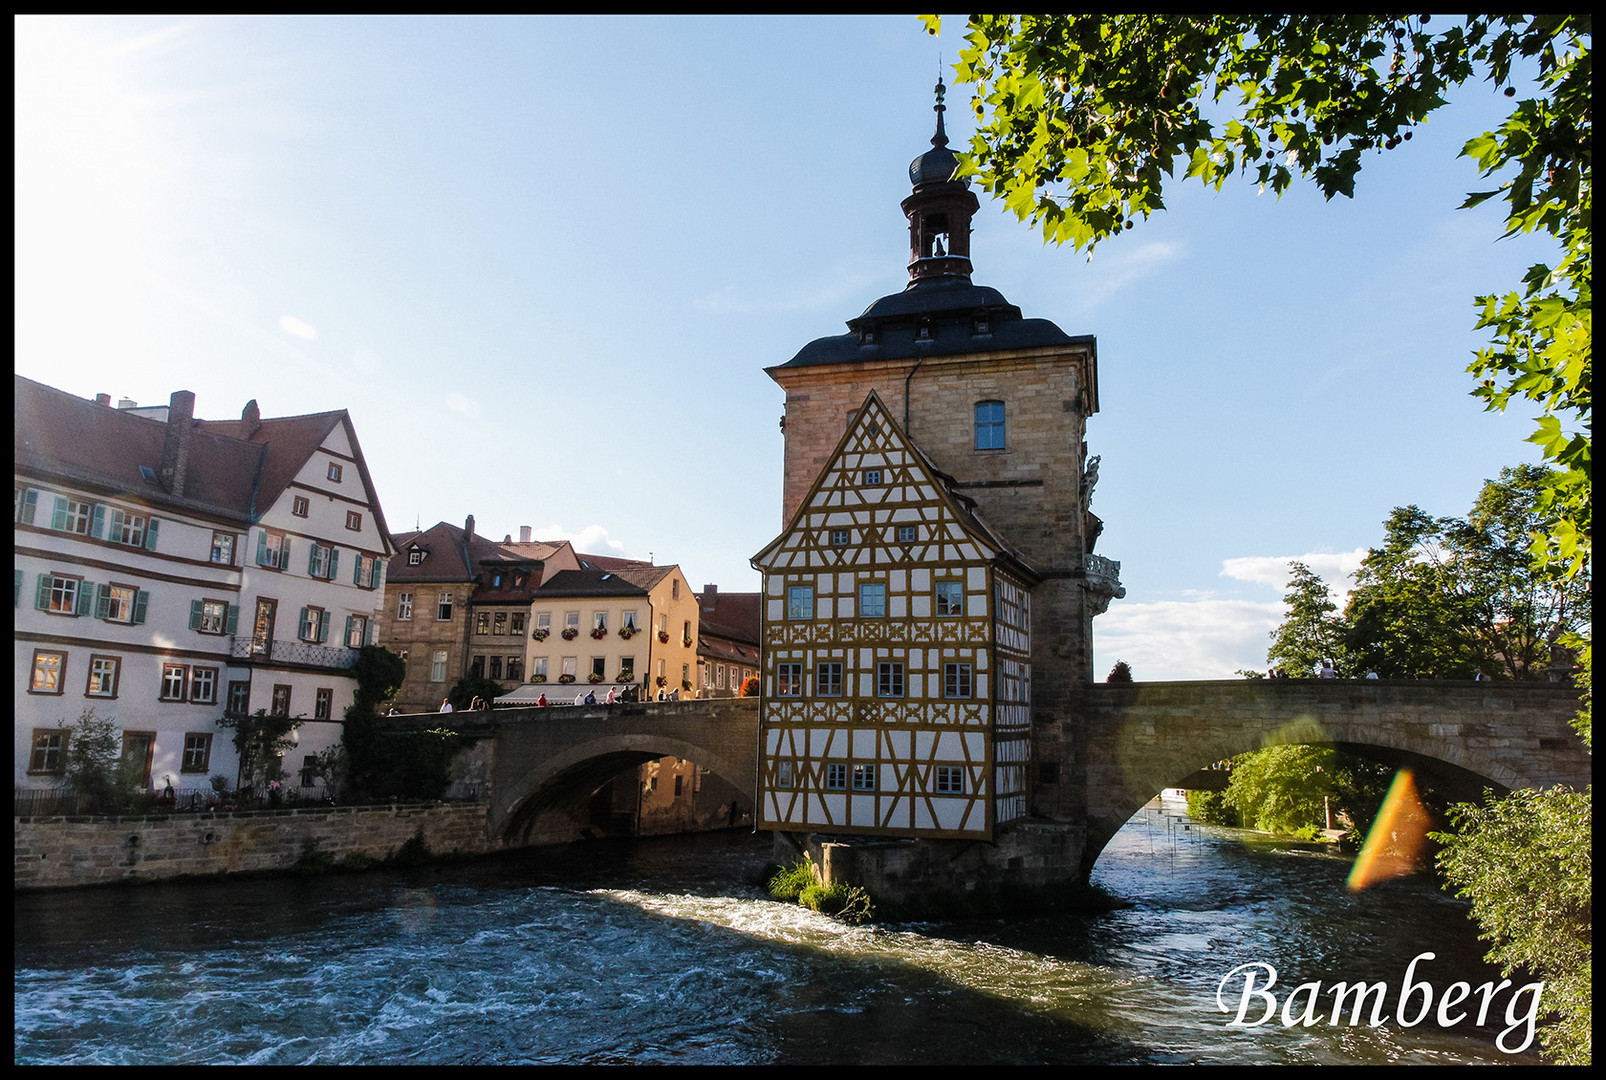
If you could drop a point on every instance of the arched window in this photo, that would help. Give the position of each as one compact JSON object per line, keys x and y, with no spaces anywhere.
{"x":989,"y":425}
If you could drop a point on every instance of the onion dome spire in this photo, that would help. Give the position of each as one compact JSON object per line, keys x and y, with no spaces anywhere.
{"x":939,"y":210}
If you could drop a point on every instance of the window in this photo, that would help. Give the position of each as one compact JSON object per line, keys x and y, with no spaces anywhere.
{"x":323,"y":562}
{"x":414,"y":557}
{"x":482,"y":622}
{"x":309,"y":770}
{"x":956,"y":681}
{"x":314,"y":624}
{"x":783,"y":774}
{"x":175,"y":679}
{"x":127,"y":529}
{"x":863,"y":777}
{"x":599,"y":667}
{"x":437,"y":666}
{"x":800,"y":602}
{"x":63,"y":595}
{"x":49,"y":752}
{"x":599,"y":620}
{"x":719,"y":677}
{"x":906,"y":534}
{"x":404,"y":607}
{"x":570,"y":666}
{"x":121,"y":603}
{"x":366,"y":572}
{"x":678,"y":781}
{"x":476,"y":667}
{"x":989,"y":425}
{"x":515,"y":668}
{"x":203,"y":685}
{"x":627,"y":669}
{"x":788,"y":680}
{"x":197,"y":752}
{"x":674,"y":589}
{"x":223,"y":548}
{"x":334,"y":471}
{"x":515,"y":623}
{"x":571,"y":619}
{"x":499,"y":623}
{"x":48,"y":669}
{"x":950,"y":780}
{"x":836,"y":776}
{"x":443,"y":607}
{"x":889,"y":679}
{"x":239,"y":703}
{"x":950,"y":597}
{"x":300,"y":506}
{"x":828,"y":680}
{"x":538,"y":669}
{"x":872,"y":478}
{"x":24,"y":505}
{"x":543,"y":621}
{"x":354,"y":520}
{"x":872,"y":600}
{"x":627,"y":621}
{"x":281,"y":700}
{"x":324,"y":704}
{"x":356,"y":631}
{"x":213,"y":616}
{"x":496,"y":667}
{"x":72,"y":516}
{"x":262,"y":625}
{"x":103,"y":672}
{"x":273,"y":550}
{"x":840,"y":537}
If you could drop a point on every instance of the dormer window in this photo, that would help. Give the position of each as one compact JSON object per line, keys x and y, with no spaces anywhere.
{"x":923,"y":332}
{"x":414,"y":556}
{"x":867,"y":336}
{"x":982,"y":325}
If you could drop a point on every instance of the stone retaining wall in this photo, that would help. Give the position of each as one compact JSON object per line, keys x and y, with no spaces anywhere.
{"x":65,"y":852}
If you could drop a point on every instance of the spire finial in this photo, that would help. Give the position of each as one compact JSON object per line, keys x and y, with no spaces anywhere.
{"x":941,"y":138}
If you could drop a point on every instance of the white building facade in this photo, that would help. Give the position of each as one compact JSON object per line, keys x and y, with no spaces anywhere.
{"x":170,"y":572}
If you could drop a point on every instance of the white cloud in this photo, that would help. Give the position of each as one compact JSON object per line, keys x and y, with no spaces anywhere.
{"x":296,"y":328}
{"x":592,"y":538}
{"x":462,"y":404}
{"x":1126,"y":266}
{"x":1173,"y":639}
{"x":1334,"y":567}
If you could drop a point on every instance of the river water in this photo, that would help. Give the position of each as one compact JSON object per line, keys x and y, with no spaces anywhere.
{"x":663,"y":951}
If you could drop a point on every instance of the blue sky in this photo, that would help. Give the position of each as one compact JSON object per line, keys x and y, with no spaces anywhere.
{"x":544,"y":261}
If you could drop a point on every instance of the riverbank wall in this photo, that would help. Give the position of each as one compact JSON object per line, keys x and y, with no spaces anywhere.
{"x":71,"y":852}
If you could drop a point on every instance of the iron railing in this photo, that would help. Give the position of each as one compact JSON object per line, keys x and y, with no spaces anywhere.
{"x":248,"y":648}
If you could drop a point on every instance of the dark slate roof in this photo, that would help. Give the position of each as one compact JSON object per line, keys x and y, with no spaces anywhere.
{"x":736,"y":616}
{"x":628,"y":582}
{"x":950,"y":307}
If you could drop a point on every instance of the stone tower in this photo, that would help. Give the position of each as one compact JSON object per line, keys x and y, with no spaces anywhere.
{"x":997,"y":405}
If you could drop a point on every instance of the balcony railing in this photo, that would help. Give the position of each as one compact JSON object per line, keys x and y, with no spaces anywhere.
{"x":1099,"y":567}
{"x":292,"y":652}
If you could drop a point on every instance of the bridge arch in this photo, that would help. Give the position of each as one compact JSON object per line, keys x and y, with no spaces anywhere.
{"x":1144,"y":737}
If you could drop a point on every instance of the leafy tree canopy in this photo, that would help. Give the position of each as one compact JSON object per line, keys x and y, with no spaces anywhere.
{"x":1289,"y":789}
{"x":1082,"y":119}
{"x":1311,"y":631}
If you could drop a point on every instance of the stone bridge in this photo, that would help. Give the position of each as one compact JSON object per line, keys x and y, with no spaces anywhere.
{"x":1136,"y":739}
{"x":553,"y":758}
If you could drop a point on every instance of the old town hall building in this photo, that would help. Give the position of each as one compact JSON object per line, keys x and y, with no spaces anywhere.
{"x":933,"y":589}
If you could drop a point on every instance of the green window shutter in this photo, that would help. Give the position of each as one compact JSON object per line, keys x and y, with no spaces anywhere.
{"x":346,"y":638}
{"x":262,"y":549}
{"x":58,"y":516}
{"x":142,"y":600}
{"x":150,"y":534}
{"x":195,"y":614}
{"x":334,"y":562}
{"x":103,"y":601}
{"x":284,"y":555}
{"x":301,"y":625}
{"x":323,"y":627}
{"x":376,"y":572}
{"x":86,"y":598}
{"x":30,"y":506}
{"x":312,"y":559}
{"x":41,"y":599}
{"x":233,"y":625}
{"x":16,"y":587}
{"x":97,"y":522}
{"x":356,"y":573}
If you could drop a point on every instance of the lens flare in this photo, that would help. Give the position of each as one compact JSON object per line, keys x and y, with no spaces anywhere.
{"x":1396,"y":838}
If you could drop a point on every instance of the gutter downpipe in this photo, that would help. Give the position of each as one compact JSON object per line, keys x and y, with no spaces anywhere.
{"x":906,"y":380}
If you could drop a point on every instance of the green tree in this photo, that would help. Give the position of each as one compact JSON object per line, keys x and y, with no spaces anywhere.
{"x":94,"y":767}
{"x":1289,"y":789}
{"x":1082,"y":119}
{"x":1120,"y":673}
{"x":1452,"y":597}
{"x":379,"y":673}
{"x":1311,"y":630}
{"x":261,"y":741}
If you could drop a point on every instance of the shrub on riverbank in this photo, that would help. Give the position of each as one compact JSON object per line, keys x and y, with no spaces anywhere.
{"x":849,"y":903}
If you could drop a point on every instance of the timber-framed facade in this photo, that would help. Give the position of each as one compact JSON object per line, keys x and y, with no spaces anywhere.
{"x":897,"y":660}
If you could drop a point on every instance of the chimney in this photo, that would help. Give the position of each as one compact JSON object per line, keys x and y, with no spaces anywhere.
{"x":710,"y":597}
{"x":468,"y":528}
{"x":127,"y":403}
{"x":176,"y":441}
{"x":251,"y":417}
{"x":103,"y":399}
{"x":524,"y":534}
